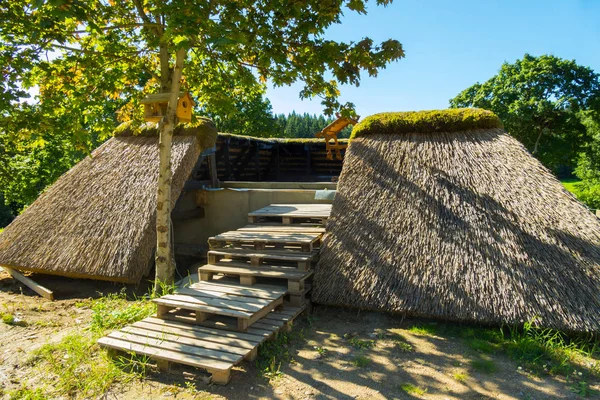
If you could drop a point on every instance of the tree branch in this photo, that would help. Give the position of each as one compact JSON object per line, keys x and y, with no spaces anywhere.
{"x":112,"y":27}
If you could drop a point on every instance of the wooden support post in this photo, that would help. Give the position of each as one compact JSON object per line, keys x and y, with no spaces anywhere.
{"x":295,"y":286}
{"x":260,"y":245}
{"x":242,"y":324}
{"x":247,"y":280}
{"x":307,"y":247}
{"x":162,"y":311}
{"x":163,"y":365}
{"x":227,"y":161}
{"x":201,"y":316}
{"x":252,"y":219}
{"x":220,"y":377}
{"x":214,"y":258}
{"x":206,"y":276}
{"x":212,"y":162}
{"x":255,"y":261}
{"x":252,"y":355}
{"x":296,"y":299}
{"x":286,"y":220}
{"x":304,"y":265}
{"x":39,"y":289}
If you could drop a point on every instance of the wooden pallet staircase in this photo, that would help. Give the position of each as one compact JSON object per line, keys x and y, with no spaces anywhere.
{"x":254,"y":284}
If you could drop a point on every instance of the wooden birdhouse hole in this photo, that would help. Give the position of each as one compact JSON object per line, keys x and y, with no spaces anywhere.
{"x":155,"y":107}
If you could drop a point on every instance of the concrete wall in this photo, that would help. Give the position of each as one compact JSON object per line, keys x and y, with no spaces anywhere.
{"x":227,"y":208}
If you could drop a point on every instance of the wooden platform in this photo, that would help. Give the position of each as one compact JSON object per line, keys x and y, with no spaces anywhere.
{"x":291,"y":213}
{"x":248,"y":274}
{"x":260,"y":240}
{"x":211,"y":348}
{"x":302,"y":261}
{"x":245,"y":309}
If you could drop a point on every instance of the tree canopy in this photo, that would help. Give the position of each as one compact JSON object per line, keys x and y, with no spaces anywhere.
{"x":540,"y":101}
{"x":93,"y":60}
{"x":87,"y":65}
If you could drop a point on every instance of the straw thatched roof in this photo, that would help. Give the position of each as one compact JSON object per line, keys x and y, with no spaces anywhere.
{"x":461,"y":225}
{"x":98,"y":220}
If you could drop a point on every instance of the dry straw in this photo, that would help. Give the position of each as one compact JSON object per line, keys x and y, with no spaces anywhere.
{"x":464,"y":226}
{"x":97,"y":221}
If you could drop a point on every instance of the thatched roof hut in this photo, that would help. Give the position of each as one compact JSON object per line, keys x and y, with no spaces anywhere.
{"x":443,"y":214}
{"x":98,"y":220}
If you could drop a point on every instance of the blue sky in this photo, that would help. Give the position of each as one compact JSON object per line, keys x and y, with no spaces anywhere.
{"x":450,"y":45}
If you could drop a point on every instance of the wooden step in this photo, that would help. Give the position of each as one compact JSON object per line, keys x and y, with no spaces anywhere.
{"x":291,"y":213}
{"x":277,"y":227}
{"x":210,"y":348}
{"x":303,"y":261}
{"x":206,"y":303}
{"x":260,"y":240}
{"x":231,"y":287}
{"x":248,"y":274}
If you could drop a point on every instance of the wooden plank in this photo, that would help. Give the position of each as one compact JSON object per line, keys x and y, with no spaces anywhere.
{"x":39,"y":289}
{"x":265,"y":311}
{"x":267,"y":237}
{"x":205,"y":293}
{"x":164,"y":354}
{"x":219,"y":303}
{"x":254,"y":291}
{"x":182,"y":348}
{"x":191,"y":333}
{"x":294,"y":210}
{"x":247,"y":336}
{"x":274,"y":227}
{"x":201,"y":343}
{"x":202,"y":308}
{"x":254,"y":330}
{"x":242,"y":270}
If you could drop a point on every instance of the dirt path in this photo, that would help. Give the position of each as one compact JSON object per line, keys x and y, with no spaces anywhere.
{"x":336,"y":354}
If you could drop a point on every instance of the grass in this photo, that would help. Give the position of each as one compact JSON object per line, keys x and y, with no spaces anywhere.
{"x":483,"y":365}
{"x":572,"y":185}
{"x":460,"y":377}
{"x":361,"y":344}
{"x":424,"y":330}
{"x":411,"y":389}
{"x":74,"y":367}
{"x":273,"y":353}
{"x":361,"y":361}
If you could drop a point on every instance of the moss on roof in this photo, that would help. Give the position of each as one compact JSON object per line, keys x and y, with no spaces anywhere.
{"x":451,"y":120}
{"x":203,"y":128}
{"x":278,"y":140}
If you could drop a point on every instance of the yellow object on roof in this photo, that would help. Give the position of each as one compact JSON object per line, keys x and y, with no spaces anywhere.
{"x":330,"y":133}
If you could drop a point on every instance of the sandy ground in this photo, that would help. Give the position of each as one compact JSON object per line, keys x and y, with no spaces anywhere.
{"x":322,"y":364}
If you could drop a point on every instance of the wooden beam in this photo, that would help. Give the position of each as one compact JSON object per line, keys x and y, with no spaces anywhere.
{"x":39,"y":289}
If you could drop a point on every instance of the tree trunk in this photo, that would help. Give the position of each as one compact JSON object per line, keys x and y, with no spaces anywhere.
{"x":537,"y":142}
{"x":165,"y":261}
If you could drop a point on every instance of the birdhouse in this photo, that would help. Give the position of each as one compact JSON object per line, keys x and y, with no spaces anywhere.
{"x":155,"y":107}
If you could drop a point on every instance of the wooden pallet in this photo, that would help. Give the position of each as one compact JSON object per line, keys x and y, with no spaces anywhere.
{"x":248,"y":274}
{"x":260,"y":240}
{"x":292,"y":213}
{"x":302,"y":261}
{"x":210,"y":348}
{"x":275,"y":227}
{"x":246,"y":310}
